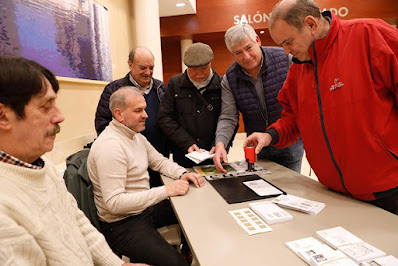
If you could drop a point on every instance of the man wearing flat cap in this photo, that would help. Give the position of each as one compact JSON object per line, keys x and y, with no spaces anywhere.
{"x":189,"y":111}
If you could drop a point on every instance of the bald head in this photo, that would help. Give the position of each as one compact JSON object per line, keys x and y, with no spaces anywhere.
{"x":140,"y":51}
{"x":118,"y":98}
{"x":293,"y":12}
{"x":141,"y":63}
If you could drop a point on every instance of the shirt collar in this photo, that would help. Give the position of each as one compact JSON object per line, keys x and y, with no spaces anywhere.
{"x":6,"y":158}
{"x":137,"y":85}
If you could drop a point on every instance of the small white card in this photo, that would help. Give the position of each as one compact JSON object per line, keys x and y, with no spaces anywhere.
{"x":262,"y":188}
{"x":249,"y":221}
{"x":199,"y":157}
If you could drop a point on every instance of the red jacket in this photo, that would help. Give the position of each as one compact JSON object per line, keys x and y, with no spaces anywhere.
{"x":350,"y":132}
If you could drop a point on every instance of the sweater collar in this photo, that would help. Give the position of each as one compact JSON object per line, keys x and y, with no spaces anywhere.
{"x":122,"y":129}
{"x":35,"y":178}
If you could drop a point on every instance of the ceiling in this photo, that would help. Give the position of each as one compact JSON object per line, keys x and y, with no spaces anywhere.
{"x":168,"y":8}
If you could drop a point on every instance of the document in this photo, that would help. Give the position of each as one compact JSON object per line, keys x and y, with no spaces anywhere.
{"x":337,"y":237}
{"x":270,"y":212}
{"x":351,"y":245}
{"x":331,"y":257}
{"x":262,"y":188}
{"x":383,"y":261}
{"x":199,"y":157}
{"x":362,"y":252}
{"x":306,"y":247}
{"x":299,"y":204}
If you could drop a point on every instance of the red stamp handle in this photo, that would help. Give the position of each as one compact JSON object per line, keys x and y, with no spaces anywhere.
{"x":250,"y":154}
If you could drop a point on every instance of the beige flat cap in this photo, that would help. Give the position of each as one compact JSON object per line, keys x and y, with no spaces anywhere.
{"x":198,"y":54}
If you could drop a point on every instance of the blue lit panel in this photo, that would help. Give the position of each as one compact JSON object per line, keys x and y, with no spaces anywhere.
{"x":71,"y":38}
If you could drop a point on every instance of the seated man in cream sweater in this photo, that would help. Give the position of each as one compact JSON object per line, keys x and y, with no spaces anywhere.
{"x":128,"y":209}
{"x":40,"y":223}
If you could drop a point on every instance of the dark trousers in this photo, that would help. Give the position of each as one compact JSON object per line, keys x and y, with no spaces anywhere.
{"x":290,"y":157}
{"x":389,"y":202}
{"x":137,"y":238}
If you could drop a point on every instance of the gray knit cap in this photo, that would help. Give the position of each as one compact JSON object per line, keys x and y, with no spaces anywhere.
{"x":198,"y":54}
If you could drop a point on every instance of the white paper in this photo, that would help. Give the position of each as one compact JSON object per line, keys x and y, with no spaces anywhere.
{"x":299,"y":204}
{"x":270,"y":212}
{"x":305,"y":245}
{"x":383,"y":261}
{"x":333,"y":257}
{"x":262,"y":188}
{"x":362,"y":252}
{"x":338,"y":236}
{"x":199,"y":157}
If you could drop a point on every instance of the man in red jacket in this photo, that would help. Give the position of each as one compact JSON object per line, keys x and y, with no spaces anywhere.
{"x":341,"y":97}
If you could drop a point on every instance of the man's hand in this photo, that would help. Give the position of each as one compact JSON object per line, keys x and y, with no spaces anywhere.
{"x":194,"y":178}
{"x":194,"y":147}
{"x":258,"y":140}
{"x":219,"y":156}
{"x":177,"y":188}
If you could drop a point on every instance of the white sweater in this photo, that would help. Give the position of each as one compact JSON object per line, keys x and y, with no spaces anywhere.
{"x":118,"y":168}
{"x":40,"y":223}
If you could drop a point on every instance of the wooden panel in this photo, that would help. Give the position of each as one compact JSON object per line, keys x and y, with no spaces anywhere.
{"x":171,"y":57}
{"x":218,"y":16}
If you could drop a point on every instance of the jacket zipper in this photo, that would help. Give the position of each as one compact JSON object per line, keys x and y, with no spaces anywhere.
{"x":323,"y":123}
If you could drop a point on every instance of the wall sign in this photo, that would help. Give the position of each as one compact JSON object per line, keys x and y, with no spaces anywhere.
{"x":264,"y":17}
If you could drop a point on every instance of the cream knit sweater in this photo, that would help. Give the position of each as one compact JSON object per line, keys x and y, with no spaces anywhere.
{"x":118,"y":168}
{"x":40,"y":223}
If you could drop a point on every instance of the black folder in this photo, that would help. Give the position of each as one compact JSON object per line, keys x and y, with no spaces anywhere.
{"x":234,"y":191}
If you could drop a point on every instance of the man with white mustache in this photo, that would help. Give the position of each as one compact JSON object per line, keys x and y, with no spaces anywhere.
{"x":191,"y":105}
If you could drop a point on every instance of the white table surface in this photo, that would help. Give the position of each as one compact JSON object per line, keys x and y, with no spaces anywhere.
{"x":217,"y":239}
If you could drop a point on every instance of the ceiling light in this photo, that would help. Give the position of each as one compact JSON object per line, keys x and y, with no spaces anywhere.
{"x":262,"y":32}
{"x":180,"y":4}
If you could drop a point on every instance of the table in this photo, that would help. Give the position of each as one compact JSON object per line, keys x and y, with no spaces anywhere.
{"x":216,"y":238}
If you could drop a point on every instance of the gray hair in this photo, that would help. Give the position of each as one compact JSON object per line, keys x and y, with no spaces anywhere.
{"x":134,"y":51}
{"x":294,"y":13}
{"x":118,"y":98}
{"x":237,"y":34}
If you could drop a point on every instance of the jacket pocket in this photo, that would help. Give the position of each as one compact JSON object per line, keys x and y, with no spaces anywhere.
{"x":184,"y":103}
{"x":381,"y":143}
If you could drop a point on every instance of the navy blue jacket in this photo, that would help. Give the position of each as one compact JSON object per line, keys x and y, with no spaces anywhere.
{"x":152,"y":132}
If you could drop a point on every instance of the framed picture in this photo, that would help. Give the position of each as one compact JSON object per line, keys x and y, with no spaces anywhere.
{"x":69,"y":37}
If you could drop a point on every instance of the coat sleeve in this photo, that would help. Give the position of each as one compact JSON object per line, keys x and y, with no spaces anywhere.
{"x":286,"y":126}
{"x":167,"y":120}
{"x":103,"y":115}
{"x":383,"y":49}
{"x":229,"y":117}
